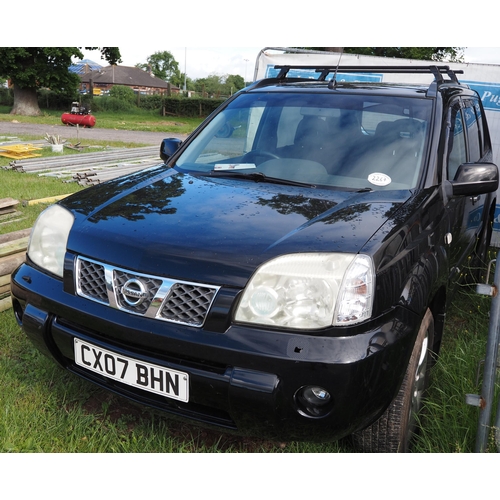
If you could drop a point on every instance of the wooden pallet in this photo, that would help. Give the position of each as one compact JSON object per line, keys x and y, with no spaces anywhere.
{"x":19,"y":151}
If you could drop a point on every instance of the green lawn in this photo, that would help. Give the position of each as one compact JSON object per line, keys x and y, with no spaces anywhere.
{"x":141,"y":120}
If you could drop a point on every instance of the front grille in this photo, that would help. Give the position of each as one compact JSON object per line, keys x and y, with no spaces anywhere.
{"x":187,"y":303}
{"x":150,"y":296}
{"x":92,"y":281}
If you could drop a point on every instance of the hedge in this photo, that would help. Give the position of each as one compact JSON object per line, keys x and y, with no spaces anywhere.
{"x":172,"y":105}
{"x":180,"y":106}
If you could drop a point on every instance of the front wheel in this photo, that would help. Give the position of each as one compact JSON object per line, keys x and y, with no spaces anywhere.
{"x":393,"y":431}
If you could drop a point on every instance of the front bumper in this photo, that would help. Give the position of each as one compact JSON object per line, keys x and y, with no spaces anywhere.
{"x":242,"y":379}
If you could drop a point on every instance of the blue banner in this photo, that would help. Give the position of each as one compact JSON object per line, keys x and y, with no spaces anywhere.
{"x":488,"y":92}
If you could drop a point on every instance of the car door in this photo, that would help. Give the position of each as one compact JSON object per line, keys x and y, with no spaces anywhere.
{"x":465,"y":213}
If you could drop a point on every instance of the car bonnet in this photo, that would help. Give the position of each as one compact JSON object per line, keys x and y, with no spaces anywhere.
{"x":218,"y":230}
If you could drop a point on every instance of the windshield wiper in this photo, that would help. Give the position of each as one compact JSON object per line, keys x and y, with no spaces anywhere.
{"x":255,"y":176}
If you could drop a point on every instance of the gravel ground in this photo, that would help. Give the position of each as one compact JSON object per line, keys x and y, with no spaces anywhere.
{"x":74,"y":135}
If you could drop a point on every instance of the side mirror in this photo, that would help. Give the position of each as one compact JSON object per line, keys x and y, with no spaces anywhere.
{"x":473,"y":179}
{"x":168,"y":147}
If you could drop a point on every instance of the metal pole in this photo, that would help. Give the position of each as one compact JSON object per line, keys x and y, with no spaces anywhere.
{"x":490,"y":366}
{"x":497,"y":428}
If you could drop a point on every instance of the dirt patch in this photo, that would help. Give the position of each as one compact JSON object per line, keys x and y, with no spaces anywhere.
{"x":116,"y":409}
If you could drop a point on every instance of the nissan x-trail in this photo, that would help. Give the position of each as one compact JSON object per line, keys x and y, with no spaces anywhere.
{"x":286,"y":271}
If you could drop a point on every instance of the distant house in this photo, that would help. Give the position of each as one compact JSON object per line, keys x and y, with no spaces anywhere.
{"x":84,"y":66}
{"x":142,"y":82}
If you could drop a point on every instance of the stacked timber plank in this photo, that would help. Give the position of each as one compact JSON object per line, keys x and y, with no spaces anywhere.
{"x":8,"y":211}
{"x":90,"y":168}
{"x":12,"y":254}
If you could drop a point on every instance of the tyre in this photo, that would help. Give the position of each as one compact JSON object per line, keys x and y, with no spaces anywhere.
{"x":393,"y":431}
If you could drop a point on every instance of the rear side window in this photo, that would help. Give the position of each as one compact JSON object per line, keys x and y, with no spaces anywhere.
{"x":457,"y":148}
{"x":473,"y":132}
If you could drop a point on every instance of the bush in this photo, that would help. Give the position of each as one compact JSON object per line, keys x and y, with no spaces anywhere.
{"x":180,"y":106}
{"x":6,"y":97}
{"x":106,"y":103}
{"x":59,"y":100}
{"x":123,"y":93}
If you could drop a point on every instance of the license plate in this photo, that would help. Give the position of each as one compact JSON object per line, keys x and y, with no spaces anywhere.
{"x":153,"y":378}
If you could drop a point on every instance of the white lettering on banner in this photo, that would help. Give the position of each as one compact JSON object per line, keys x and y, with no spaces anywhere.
{"x":488,"y":96}
{"x":489,"y":93}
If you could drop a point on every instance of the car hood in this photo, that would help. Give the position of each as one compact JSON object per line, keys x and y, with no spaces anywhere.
{"x":218,"y":230}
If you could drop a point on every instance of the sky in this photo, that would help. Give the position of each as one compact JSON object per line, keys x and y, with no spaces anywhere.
{"x":196,"y":62}
{"x":199,"y":62}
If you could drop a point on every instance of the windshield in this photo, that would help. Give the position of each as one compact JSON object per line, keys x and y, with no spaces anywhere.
{"x":349,"y":141}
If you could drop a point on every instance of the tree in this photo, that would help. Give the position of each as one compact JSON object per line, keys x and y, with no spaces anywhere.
{"x":234,"y":83}
{"x":217,"y":85}
{"x":31,"y":68}
{"x":163,"y":65}
{"x":178,"y":81}
{"x":210,"y":85}
{"x":452,"y":54}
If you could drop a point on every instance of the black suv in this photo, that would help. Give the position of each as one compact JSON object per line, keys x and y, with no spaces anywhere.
{"x":285,"y":273}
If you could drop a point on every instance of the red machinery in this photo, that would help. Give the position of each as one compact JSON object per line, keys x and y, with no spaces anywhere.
{"x":79,"y":115}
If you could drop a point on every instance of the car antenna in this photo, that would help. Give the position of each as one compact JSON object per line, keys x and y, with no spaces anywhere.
{"x":333,"y":81}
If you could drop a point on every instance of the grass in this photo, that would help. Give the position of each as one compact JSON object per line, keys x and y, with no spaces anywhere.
{"x":141,"y":120}
{"x":448,"y":424}
{"x":28,"y":187}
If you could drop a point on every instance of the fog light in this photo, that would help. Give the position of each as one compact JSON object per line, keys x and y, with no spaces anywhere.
{"x":313,"y":401}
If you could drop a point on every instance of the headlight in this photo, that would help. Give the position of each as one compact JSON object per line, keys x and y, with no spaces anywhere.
{"x":49,"y":237}
{"x":309,"y":291}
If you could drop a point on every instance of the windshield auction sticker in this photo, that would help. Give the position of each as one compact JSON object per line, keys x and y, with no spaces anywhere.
{"x":379,"y":179}
{"x":234,"y":166}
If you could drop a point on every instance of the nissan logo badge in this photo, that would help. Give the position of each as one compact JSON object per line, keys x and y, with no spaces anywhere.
{"x":134,"y":292}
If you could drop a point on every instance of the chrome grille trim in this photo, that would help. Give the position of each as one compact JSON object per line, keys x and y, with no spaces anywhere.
{"x":174,"y":301}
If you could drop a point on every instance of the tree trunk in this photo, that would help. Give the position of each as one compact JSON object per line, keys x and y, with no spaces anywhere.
{"x":25,"y":102}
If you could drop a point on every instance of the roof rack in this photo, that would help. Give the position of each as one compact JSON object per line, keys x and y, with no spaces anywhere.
{"x":437,"y":71}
